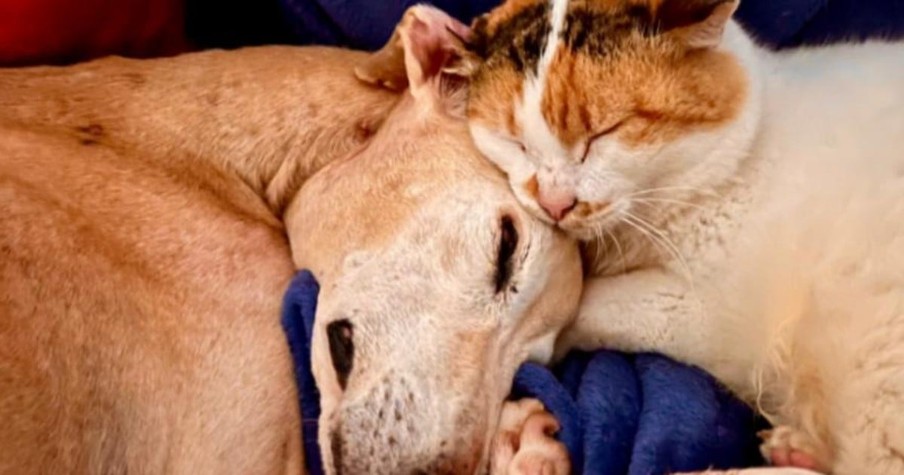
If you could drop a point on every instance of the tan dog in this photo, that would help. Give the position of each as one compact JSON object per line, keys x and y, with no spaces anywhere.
{"x":144,"y":262}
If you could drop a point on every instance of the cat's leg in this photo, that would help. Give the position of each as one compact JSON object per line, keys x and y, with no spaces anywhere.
{"x":844,"y":367}
{"x":868,"y":420}
{"x":648,"y":310}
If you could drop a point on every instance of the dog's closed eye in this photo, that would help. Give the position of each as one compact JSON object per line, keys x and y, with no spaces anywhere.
{"x":505,"y":252}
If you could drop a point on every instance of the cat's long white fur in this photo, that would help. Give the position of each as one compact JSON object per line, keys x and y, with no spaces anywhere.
{"x":796,"y":298}
{"x":784,"y":274}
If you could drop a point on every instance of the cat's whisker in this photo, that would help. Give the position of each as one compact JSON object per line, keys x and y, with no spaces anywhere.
{"x":660,"y":244}
{"x":598,"y":245}
{"x":640,"y":223}
{"x":661,"y":235}
{"x":619,"y":248}
{"x":602,"y":248}
{"x":693,"y":290}
{"x":601,"y":244}
{"x":643,"y":231}
{"x":650,"y":201}
{"x":647,"y":191}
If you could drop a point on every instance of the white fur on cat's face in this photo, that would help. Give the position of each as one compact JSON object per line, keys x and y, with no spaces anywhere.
{"x":615,"y":182}
{"x":609,"y":174}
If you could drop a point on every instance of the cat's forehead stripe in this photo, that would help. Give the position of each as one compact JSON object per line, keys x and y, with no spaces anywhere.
{"x":591,"y":31}
{"x":522,"y":37}
{"x":518,"y":40}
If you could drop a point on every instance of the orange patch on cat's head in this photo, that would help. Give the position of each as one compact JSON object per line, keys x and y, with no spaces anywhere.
{"x":618,"y":62}
{"x":494,"y":107}
{"x":508,"y":42}
{"x":651,"y":87}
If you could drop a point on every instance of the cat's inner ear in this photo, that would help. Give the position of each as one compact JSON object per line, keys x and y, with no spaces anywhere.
{"x":426,"y":44}
{"x":695,"y":23}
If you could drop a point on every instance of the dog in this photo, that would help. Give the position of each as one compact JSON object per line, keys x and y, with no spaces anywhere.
{"x":153,"y":212}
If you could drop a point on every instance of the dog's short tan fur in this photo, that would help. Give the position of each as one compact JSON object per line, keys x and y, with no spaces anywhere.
{"x":145,"y":257}
{"x":143,"y":261}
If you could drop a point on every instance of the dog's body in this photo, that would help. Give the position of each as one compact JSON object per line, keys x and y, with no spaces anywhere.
{"x":143,"y":261}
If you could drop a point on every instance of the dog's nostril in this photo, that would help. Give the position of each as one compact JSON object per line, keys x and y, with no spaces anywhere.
{"x":342,"y":348}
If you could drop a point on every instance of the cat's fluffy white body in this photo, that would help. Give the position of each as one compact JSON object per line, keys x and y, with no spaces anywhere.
{"x":790,"y":282}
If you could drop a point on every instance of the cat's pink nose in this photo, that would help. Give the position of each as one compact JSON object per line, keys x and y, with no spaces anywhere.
{"x":557,"y":205}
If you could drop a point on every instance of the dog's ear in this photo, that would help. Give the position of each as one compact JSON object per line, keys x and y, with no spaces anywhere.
{"x":425,"y":46}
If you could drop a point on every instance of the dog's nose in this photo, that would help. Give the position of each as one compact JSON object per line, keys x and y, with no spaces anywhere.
{"x":557,"y":204}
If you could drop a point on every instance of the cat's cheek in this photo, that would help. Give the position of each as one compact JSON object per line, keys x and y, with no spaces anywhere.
{"x":498,"y":151}
{"x":579,"y":230}
{"x":616,"y":171}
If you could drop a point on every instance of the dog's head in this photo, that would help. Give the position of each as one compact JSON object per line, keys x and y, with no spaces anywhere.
{"x":436,"y":285}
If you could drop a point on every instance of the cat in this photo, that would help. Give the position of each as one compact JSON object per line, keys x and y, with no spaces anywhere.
{"x":741,"y":209}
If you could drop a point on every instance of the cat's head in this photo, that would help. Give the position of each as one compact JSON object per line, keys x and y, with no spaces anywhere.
{"x":588,"y":105}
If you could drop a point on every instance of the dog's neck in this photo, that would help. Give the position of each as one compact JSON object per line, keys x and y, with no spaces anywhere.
{"x":265,"y":117}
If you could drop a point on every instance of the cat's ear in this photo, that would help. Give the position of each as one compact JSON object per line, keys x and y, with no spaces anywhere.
{"x":695,"y":23}
{"x":426,"y":44}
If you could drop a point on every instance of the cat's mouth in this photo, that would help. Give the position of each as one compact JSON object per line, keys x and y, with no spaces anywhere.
{"x":589,"y":220}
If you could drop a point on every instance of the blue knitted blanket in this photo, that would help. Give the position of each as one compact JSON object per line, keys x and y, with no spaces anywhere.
{"x":619,"y":414}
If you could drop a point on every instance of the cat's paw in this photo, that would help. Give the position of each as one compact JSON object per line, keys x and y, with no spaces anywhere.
{"x":524,"y":444}
{"x":784,"y":446}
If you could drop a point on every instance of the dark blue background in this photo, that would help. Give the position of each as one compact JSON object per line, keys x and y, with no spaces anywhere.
{"x":367,"y":24}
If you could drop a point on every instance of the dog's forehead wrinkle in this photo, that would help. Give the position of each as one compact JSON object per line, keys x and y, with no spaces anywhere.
{"x":467,"y":243}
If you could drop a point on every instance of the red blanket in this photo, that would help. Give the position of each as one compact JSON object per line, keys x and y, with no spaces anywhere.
{"x":59,"y":31}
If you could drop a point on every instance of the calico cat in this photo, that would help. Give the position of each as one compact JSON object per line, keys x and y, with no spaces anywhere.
{"x":742,"y":209}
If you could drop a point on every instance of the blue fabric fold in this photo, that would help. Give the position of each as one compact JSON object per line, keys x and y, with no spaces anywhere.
{"x":299,"y":308}
{"x":619,"y":414}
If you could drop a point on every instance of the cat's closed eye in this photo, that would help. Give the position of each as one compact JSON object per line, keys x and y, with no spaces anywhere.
{"x":517,"y":143}
{"x":607,"y":131}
